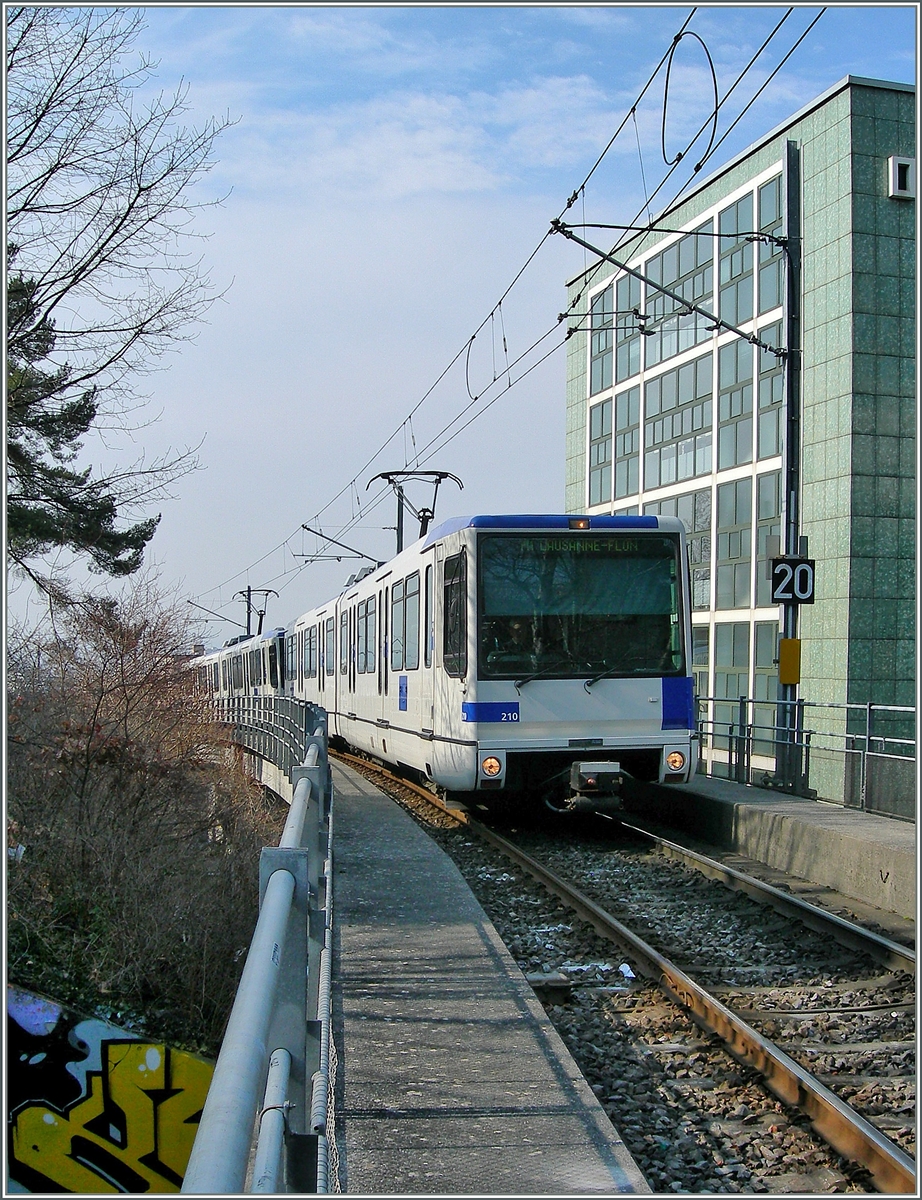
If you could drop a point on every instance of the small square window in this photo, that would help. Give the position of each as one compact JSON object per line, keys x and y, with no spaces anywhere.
{"x":901,"y":177}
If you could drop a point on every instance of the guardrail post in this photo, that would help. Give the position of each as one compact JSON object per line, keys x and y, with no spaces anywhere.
{"x":287,"y":1028}
{"x":222,"y":1145}
{"x":864,"y":757}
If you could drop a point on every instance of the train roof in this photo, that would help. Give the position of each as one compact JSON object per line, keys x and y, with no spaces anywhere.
{"x":546,"y":521}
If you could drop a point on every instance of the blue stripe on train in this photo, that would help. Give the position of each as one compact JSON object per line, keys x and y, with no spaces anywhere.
{"x":487,"y":711}
{"x":678,"y":702}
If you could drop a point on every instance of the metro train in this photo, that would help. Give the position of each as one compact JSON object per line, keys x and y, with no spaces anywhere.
{"x":538,"y":656}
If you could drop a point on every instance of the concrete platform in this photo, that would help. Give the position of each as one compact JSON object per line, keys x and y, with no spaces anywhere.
{"x":452,"y":1079}
{"x":862,"y":855}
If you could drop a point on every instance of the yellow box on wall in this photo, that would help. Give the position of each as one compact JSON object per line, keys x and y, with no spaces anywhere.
{"x":789,"y":660}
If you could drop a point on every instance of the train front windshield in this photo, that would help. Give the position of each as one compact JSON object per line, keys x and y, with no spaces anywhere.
{"x":570,"y":606}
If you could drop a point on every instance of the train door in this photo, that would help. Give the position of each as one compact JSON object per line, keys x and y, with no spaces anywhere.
{"x":427,"y":650}
{"x":321,"y":664}
{"x":453,"y":591}
{"x":384,"y":666}
{"x":329,"y":664}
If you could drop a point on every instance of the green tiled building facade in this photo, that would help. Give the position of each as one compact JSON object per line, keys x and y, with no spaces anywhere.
{"x":666,"y":413}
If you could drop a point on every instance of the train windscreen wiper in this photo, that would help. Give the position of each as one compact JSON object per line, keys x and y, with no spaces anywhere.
{"x":606,"y":674}
{"x":542,"y":674}
{"x":645,"y":669}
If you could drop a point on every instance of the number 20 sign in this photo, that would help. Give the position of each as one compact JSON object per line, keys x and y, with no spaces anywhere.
{"x":792,"y":580}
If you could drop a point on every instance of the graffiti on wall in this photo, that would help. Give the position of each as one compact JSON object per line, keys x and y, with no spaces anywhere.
{"x":93,"y":1108}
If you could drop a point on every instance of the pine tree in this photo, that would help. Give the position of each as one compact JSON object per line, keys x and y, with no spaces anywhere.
{"x":100,"y":201}
{"x":49,"y":503}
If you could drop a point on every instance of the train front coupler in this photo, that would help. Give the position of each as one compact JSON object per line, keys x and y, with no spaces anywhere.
{"x":594,"y":787}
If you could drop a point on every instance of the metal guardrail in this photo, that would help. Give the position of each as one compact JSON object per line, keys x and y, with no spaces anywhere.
{"x":274,"y":727}
{"x":272,"y":1082}
{"x":768,"y":744}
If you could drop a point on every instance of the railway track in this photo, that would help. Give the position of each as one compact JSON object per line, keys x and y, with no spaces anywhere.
{"x":821,"y":1026}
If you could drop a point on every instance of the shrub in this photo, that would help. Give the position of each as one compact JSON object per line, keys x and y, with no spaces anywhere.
{"x":137,"y":890}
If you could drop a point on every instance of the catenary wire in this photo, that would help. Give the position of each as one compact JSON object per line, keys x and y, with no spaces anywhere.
{"x":465,"y":349}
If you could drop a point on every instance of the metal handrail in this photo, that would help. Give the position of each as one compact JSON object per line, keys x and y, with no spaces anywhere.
{"x":297,"y":877}
{"x":791,"y":744}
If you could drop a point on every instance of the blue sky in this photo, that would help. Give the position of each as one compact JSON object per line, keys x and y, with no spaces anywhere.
{"x":390,"y":171}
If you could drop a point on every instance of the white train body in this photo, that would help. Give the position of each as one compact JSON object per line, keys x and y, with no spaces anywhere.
{"x":497,"y":652}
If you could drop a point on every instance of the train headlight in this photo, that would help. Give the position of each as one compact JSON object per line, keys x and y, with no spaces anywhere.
{"x":491,"y":766}
{"x":675,"y":760}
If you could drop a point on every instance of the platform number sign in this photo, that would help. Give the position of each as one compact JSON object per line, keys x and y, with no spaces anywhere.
{"x":792,"y":580}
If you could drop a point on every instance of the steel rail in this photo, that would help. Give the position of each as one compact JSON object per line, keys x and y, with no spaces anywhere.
{"x":845,"y":1130}
{"x":835,"y":1121}
{"x":885,"y":951}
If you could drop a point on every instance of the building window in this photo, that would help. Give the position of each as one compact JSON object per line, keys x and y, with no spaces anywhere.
{"x":731,"y":660}
{"x":694,"y":510}
{"x":677,"y":431}
{"x":765,"y":686}
{"x":734,"y":405}
{"x":600,"y":453}
{"x":627,"y":443}
{"x":686,"y":267}
{"x":701,"y":658}
{"x":765,"y":678}
{"x":768,"y":525}
{"x":771,"y":255}
{"x":735,"y":226}
{"x":600,"y":351}
{"x":627,"y":332}
{"x":771,"y":394}
{"x":734,"y":543}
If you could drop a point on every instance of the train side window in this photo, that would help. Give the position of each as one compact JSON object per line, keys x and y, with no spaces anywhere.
{"x":273,"y":664}
{"x":427,"y":623}
{"x":329,"y":649}
{"x":454,"y":630}
{"x":310,"y":652}
{"x":411,"y":623}
{"x":398,"y":615}
{"x":343,"y":641}
{"x":370,"y":635}
{"x":385,"y":635}
{"x":360,"y":633}
{"x":381,"y":649}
